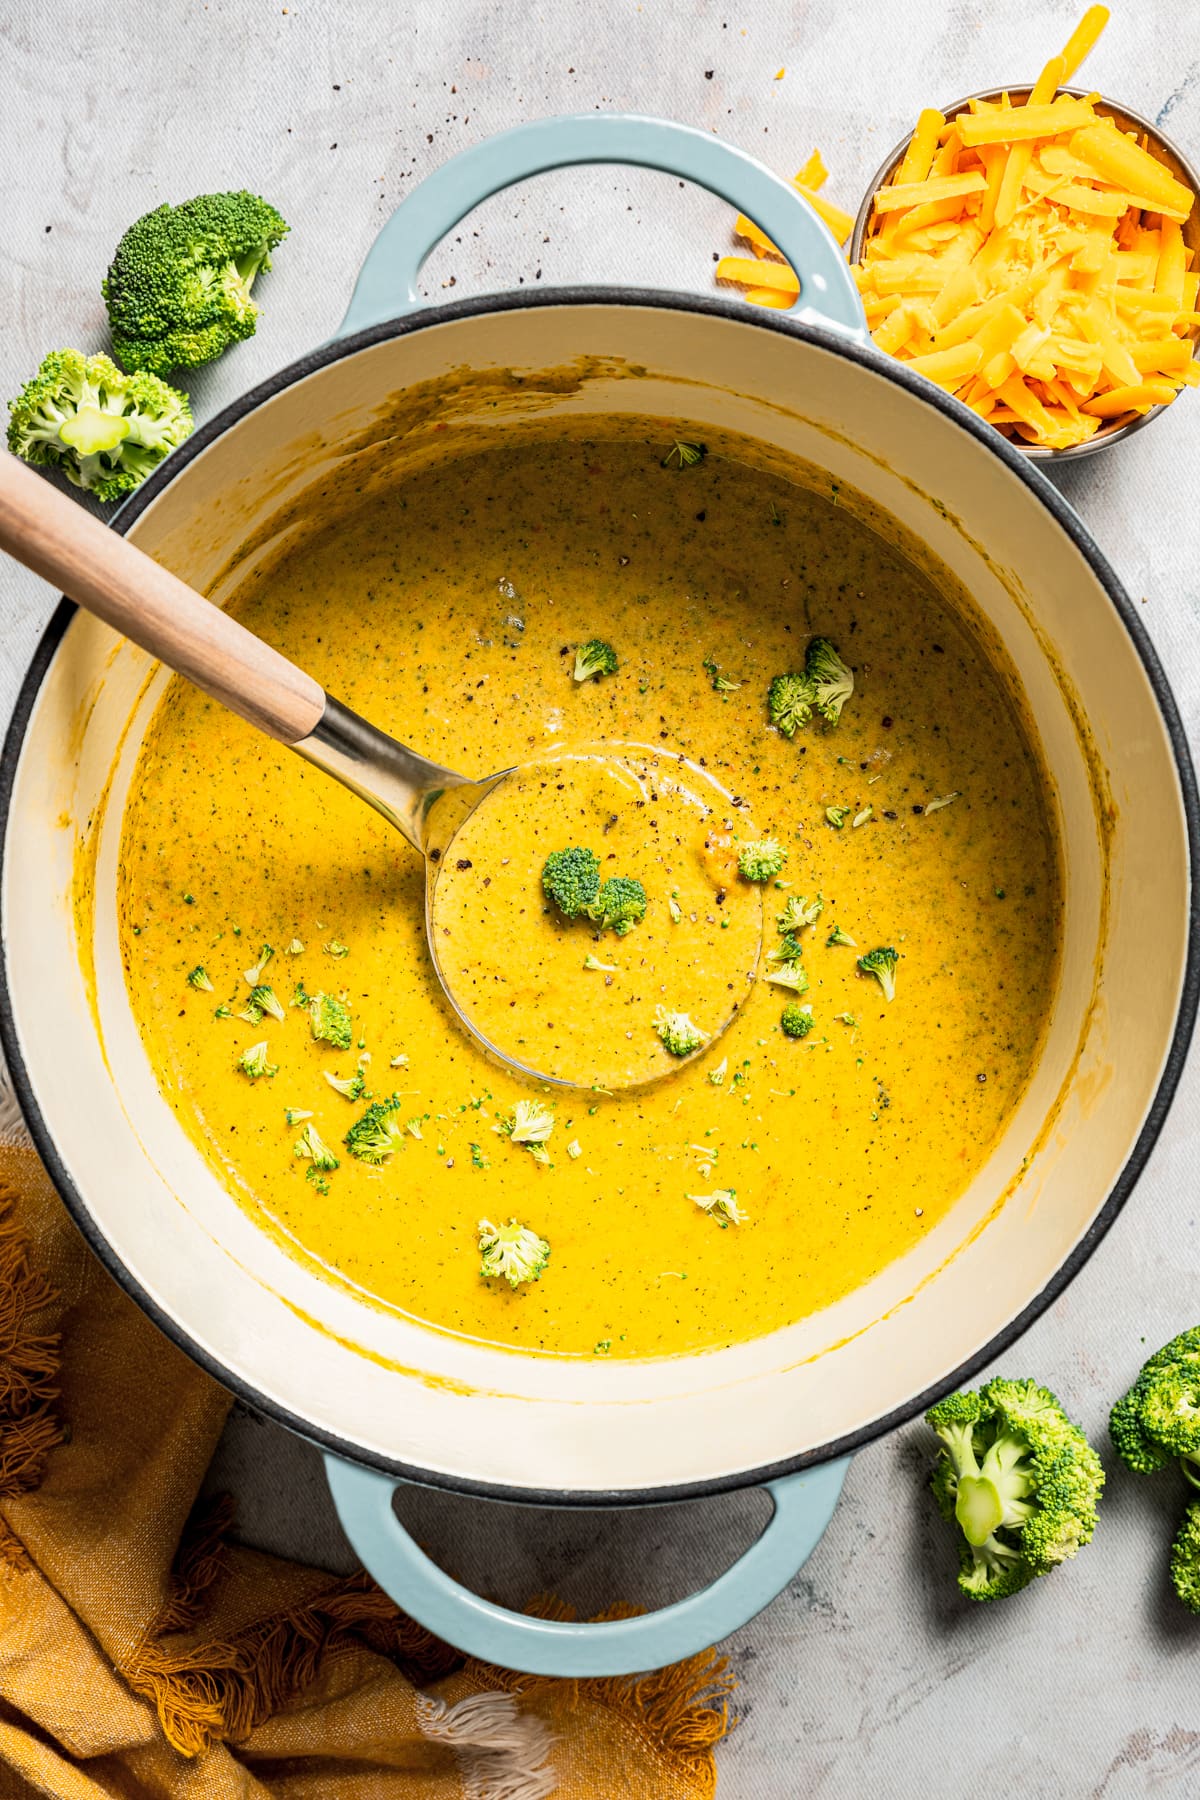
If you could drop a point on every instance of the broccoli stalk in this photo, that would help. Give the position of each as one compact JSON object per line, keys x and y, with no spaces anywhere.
{"x":881,"y":964}
{"x":761,"y":860}
{"x":178,"y":287}
{"x":1158,"y":1422}
{"x":595,"y":658}
{"x":678,"y":1032}
{"x":254,"y":976}
{"x":1019,"y":1480}
{"x":102,"y":429}
{"x":511,"y":1253}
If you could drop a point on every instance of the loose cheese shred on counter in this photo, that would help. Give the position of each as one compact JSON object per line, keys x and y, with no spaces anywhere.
{"x":1028,"y":257}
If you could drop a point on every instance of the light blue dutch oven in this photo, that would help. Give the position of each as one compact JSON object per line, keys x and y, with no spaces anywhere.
{"x":387,"y":1399}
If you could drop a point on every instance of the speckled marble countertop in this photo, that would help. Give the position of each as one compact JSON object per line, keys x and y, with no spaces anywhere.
{"x":868,"y":1676}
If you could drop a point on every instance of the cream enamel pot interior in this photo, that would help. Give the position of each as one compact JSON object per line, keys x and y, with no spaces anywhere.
{"x":387,"y":1398}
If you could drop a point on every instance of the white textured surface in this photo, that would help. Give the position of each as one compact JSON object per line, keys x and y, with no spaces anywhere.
{"x":868,"y":1675}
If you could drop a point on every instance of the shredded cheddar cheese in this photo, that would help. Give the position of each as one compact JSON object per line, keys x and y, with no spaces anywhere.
{"x":1027,"y":256}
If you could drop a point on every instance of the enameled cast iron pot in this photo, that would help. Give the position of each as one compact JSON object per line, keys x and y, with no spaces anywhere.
{"x":388,"y":1399}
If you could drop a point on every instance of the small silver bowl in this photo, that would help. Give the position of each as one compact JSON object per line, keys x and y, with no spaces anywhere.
{"x":1166,"y":153}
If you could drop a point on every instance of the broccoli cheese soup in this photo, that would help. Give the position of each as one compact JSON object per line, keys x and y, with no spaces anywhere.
{"x":859,"y":877}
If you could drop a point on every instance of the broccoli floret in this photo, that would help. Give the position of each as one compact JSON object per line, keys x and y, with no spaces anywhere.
{"x":721,"y":1206}
{"x":1185,"y":1559}
{"x":1138,"y":1451}
{"x":253,"y":1062}
{"x":1157,"y":1422}
{"x":571,"y":879}
{"x":620,"y":905}
{"x":881,"y":964}
{"x":684,"y":456}
{"x":595,"y":658}
{"x":198,"y":978}
{"x":679,"y":1034}
{"x":790,"y":702}
{"x":838,"y":936}
{"x":178,"y":287}
{"x":762,"y":860}
{"x":789,"y":949}
{"x":789,"y":975}
{"x":102,"y":429}
{"x":511,"y":1252}
{"x":529,"y":1122}
{"x":1169,"y":1408}
{"x":796,"y":1022}
{"x":372,"y":1138}
{"x":837,"y":816}
{"x":721,"y":684}
{"x":262,"y":1000}
{"x":311,"y":1146}
{"x":352,"y":1087}
{"x":330,"y":1021}
{"x":832,"y":682}
{"x":1020,"y":1481}
{"x":800,"y":912}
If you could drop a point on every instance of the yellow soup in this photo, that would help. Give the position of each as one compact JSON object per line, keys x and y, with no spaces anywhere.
{"x":751,"y":1182}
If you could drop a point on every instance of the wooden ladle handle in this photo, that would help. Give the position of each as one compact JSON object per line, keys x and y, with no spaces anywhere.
{"x":47,"y":531}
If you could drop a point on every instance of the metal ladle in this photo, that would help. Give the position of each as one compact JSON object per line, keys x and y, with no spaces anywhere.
{"x":101,"y":571}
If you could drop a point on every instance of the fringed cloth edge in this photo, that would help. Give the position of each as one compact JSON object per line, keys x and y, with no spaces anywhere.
{"x":29,"y":1360}
{"x":221,"y":1689}
{"x":681,"y":1712}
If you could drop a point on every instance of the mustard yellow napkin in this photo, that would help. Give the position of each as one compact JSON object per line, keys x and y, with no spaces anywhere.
{"x":144,"y":1654}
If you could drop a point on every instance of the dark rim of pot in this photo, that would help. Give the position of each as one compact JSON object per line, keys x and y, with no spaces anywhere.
{"x":752,"y":318}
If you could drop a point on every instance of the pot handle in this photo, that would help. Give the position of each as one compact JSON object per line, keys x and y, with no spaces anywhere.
{"x":803,"y":1507}
{"x":387,"y":283}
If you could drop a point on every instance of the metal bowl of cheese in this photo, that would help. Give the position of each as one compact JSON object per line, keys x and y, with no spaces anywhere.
{"x":1163,"y":150}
